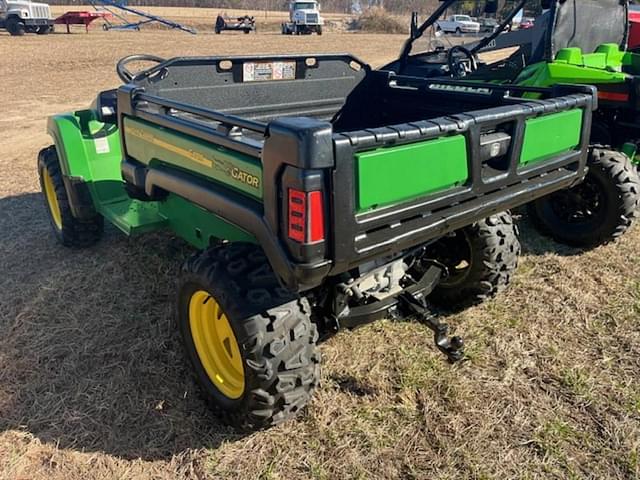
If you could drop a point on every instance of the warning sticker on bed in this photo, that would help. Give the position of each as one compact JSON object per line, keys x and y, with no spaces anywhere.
{"x":102,"y":145}
{"x":265,"y":71}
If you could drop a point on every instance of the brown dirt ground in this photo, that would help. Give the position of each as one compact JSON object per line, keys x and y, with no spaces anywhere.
{"x":92,"y":378}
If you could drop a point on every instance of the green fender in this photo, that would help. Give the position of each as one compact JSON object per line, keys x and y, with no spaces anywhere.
{"x":89,"y":154}
{"x":87,"y":148}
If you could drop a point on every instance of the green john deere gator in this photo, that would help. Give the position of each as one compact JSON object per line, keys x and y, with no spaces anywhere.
{"x":310,"y":207}
{"x":572,"y":42}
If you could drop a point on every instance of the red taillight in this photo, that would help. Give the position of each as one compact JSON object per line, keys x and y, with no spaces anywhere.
{"x":613,"y":96}
{"x":316,"y":217}
{"x":297,"y":215}
{"x":306,"y":216}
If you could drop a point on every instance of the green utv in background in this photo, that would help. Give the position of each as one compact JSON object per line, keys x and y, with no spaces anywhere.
{"x":311,"y":208}
{"x":572,"y":42}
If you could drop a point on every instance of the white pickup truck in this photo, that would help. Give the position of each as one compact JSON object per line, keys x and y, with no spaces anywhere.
{"x":458,"y":24}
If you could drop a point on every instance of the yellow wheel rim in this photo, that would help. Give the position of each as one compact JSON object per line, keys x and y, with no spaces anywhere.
{"x":216,"y":344}
{"x":52,"y":199}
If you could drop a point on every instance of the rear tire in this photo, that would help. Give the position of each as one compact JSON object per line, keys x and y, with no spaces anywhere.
{"x":596,"y":212}
{"x":69,"y":231}
{"x":272,"y":330}
{"x":43,"y":30}
{"x":481,"y":260}
{"x":15,"y":27}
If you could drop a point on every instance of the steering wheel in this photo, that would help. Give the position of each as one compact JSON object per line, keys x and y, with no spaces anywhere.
{"x":126,"y":75}
{"x":461,"y":61}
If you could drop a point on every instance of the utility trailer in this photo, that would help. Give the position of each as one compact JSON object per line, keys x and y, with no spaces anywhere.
{"x":244,"y":23}
{"x":312,"y":208}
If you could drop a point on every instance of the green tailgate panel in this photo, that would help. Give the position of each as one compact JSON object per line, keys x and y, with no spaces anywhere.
{"x":149,"y":143}
{"x":551,"y":135}
{"x":395,"y":174}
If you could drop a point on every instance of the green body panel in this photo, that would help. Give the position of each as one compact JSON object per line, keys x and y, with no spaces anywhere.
{"x":608,"y":65}
{"x":149,"y":143}
{"x":549,"y":74}
{"x":394,"y":174}
{"x":551,"y":135}
{"x":572,"y":66}
{"x":197,"y":225}
{"x":90,"y":151}
{"x":86,"y":147}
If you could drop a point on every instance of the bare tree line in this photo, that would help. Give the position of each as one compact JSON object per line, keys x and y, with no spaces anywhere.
{"x":337,"y":6}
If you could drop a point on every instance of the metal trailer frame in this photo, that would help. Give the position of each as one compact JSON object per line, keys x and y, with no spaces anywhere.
{"x":128,"y":25}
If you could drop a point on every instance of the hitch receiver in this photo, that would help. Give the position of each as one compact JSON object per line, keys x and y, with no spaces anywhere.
{"x":452,"y":347}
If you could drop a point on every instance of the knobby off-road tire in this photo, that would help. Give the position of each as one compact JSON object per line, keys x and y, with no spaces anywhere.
{"x":596,"y":212}
{"x":70,"y":231}
{"x":276,"y":339}
{"x":481,"y":259}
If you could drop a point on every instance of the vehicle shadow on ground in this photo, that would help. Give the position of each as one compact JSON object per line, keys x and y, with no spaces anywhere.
{"x":90,"y":358}
{"x":534,"y":243}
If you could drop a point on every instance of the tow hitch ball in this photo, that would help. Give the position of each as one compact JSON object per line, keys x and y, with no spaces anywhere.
{"x":452,"y":347}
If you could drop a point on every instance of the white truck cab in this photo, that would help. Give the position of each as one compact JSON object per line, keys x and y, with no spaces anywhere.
{"x":23,"y":16}
{"x":304,"y":18}
{"x":458,"y":24}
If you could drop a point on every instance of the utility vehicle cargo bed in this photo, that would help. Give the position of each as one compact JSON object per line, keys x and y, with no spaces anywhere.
{"x":394,"y":161}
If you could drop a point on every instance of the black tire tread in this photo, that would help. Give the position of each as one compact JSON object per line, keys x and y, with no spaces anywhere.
{"x":15,"y":27}
{"x":75,"y":233}
{"x":274,"y":330}
{"x":617,"y":167}
{"x":496,"y":250}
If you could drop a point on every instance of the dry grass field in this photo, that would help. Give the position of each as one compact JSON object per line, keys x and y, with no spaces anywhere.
{"x":93,"y":384}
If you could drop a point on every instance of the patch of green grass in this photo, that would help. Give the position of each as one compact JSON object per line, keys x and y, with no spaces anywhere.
{"x":269,"y":472}
{"x":634,"y":462}
{"x":318,"y":472}
{"x":578,"y":381}
{"x":502,"y":315}
{"x":552,"y":436}
{"x":420,"y":368}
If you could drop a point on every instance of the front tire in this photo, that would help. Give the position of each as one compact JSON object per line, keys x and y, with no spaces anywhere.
{"x":599,"y":210}
{"x":269,"y":341}
{"x":480,"y":260}
{"x":16,"y":27}
{"x":70,"y":231}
